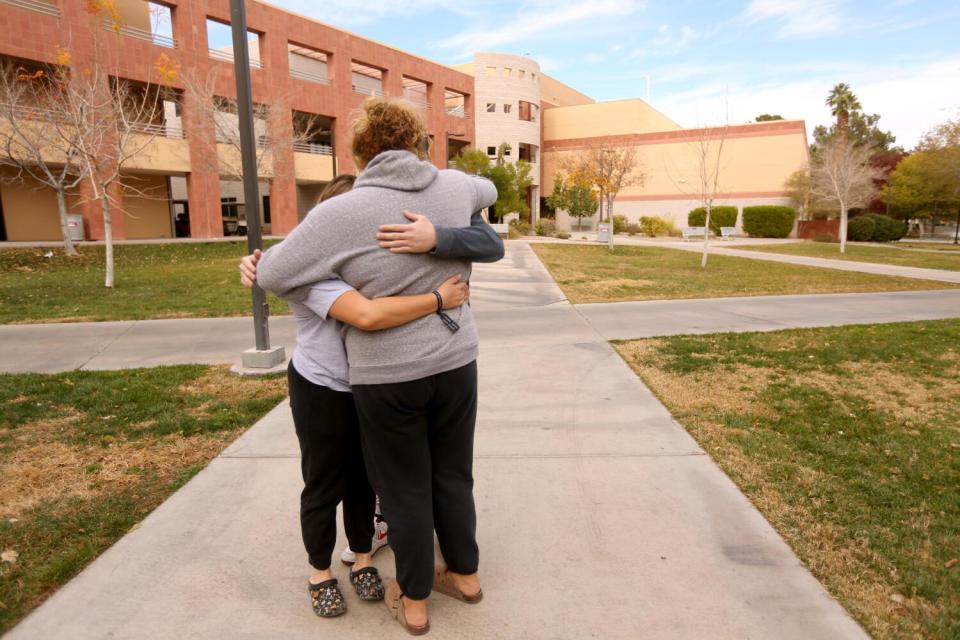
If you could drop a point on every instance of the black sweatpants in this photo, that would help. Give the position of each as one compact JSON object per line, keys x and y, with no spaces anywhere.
{"x":418,"y":444}
{"x":331,"y":461}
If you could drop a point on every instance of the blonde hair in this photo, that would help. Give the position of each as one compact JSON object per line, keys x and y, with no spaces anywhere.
{"x":385,"y":125}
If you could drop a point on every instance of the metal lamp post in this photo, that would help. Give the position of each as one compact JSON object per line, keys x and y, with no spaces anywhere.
{"x":263,"y":356}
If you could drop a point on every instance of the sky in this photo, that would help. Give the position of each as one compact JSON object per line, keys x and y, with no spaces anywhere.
{"x":706,"y":62}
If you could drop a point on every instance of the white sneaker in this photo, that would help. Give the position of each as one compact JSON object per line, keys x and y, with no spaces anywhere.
{"x":348,"y":557}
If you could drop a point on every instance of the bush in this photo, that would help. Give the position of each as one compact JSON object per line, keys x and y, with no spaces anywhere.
{"x":523,"y":228}
{"x":563,"y":235}
{"x":545,"y":227}
{"x":721,"y":216}
{"x":861,"y":229}
{"x":768,"y":221}
{"x":620,"y":223}
{"x":887,"y":229}
{"x":633,"y":229}
{"x":654,"y":227}
{"x":513,"y":233}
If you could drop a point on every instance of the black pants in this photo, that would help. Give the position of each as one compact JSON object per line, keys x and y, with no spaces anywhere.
{"x":418,"y":444}
{"x":331,"y":461}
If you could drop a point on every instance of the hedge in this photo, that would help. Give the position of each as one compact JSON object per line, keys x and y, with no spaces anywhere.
{"x":874,"y":227}
{"x":768,"y":221}
{"x":720,"y":216}
{"x":653,"y":226}
{"x":620,"y":223}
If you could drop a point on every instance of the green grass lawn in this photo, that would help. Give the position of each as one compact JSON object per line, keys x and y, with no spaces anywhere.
{"x":931,"y":246}
{"x":594,"y":274}
{"x":86,"y":455}
{"x":152,"y":281}
{"x":866,"y":253}
{"x":847,"y":440}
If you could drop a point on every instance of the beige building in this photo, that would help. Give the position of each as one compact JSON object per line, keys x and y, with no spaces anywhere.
{"x":755,"y":161}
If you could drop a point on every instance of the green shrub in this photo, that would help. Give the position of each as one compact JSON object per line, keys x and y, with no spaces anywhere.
{"x":513,"y":233}
{"x":720,"y":216}
{"x":887,"y":228}
{"x":655,"y":227}
{"x":861,"y":229}
{"x":563,"y":235}
{"x":633,"y":229}
{"x":523,"y":228}
{"x":620,"y":223}
{"x":768,"y":221}
{"x":545,"y":227}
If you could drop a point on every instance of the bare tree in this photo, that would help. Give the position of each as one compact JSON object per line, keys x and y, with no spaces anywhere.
{"x":36,"y":140}
{"x":610,"y":170}
{"x":272,"y":127}
{"x":708,"y":150}
{"x":842,"y":176}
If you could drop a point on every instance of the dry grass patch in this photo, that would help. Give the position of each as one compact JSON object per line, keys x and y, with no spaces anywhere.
{"x":86,"y":455}
{"x":846,"y":439}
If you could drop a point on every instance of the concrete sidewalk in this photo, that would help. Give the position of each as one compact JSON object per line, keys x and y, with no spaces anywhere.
{"x":599,"y":517}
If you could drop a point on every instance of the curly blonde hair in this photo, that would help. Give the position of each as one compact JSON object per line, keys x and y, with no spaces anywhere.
{"x":385,"y":125}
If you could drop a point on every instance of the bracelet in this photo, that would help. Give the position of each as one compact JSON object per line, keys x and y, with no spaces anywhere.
{"x":439,"y":300}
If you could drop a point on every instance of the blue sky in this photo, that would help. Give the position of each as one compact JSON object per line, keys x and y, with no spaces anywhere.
{"x":706,"y":61}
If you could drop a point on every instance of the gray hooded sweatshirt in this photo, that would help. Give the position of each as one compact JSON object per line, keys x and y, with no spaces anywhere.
{"x":337,"y":239}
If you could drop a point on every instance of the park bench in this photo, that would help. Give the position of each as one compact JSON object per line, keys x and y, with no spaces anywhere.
{"x":693,"y":232}
{"x":728,"y":232}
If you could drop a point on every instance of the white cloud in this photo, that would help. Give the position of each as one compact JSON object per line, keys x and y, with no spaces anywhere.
{"x":534,"y":20}
{"x":797,"y":18}
{"x":892,"y":91}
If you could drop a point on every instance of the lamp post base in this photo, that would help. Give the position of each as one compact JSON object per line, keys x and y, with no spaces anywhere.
{"x":254,"y":362}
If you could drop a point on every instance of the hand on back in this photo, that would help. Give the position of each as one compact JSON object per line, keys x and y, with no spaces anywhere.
{"x":418,"y":236}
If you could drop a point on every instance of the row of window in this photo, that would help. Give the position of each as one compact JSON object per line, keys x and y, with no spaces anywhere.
{"x":528,"y":111}
{"x":507,"y":72}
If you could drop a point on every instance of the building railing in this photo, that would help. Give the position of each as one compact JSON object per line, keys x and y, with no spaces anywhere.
{"x":376,"y":93}
{"x":141,"y":34}
{"x":224,"y":137}
{"x":46,"y":8}
{"x":227,"y":56}
{"x":420,"y":104}
{"x":319,"y":78}
{"x":457,"y":112}
{"x":160,"y":130}
{"x":314,"y":148}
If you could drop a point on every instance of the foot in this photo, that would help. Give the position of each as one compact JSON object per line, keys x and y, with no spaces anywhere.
{"x":327,"y":600}
{"x":468,"y":585}
{"x":415,"y":611}
{"x":366,"y":582}
{"x":348,"y":556}
{"x":463,"y":587}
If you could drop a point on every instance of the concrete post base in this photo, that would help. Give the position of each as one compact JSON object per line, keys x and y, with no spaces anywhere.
{"x":254,"y":362}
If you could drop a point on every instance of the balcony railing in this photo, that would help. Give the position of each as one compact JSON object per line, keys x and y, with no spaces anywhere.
{"x":159,"y":130}
{"x":420,"y":104}
{"x":227,"y":56}
{"x":140,"y":34}
{"x":46,"y":8}
{"x":319,"y":78}
{"x":314,"y":148}
{"x":376,"y":93}
{"x":225,"y":137}
{"x":457,"y":112}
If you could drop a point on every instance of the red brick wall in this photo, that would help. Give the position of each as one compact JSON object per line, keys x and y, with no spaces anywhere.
{"x":807,"y":229}
{"x":39,"y":36}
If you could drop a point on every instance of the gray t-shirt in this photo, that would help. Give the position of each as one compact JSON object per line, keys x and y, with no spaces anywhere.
{"x":319,"y":354}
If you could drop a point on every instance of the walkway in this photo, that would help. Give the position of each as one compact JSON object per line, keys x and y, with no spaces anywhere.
{"x":584,"y":482}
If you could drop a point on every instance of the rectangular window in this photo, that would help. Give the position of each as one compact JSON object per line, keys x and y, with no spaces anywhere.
{"x":491,"y":151}
{"x":506,"y":108}
{"x":220,"y":43}
{"x":417,"y":92}
{"x":507,"y":71}
{"x":455,"y":103}
{"x":491,"y":107}
{"x":307,"y":63}
{"x":521,"y":73}
{"x":491,"y":71}
{"x":366,"y":79}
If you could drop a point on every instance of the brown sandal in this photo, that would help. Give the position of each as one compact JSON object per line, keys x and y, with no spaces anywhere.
{"x":394,"y":601}
{"x":443,"y":584}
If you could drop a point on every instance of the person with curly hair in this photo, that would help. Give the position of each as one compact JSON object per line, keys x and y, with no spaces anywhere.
{"x":415,"y":385}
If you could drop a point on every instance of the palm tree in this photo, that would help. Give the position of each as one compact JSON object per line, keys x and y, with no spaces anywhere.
{"x":841,"y":102}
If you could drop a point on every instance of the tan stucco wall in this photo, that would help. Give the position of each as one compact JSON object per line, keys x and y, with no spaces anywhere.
{"x":30,"y":211}
{"x":313,"y":167}
{"x":561,"y":95}
{"x":160,"y":154}
{"x":616,"y":117}
{"x":147,"y":215}
{"x":753,"y":171}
